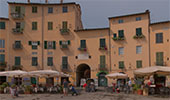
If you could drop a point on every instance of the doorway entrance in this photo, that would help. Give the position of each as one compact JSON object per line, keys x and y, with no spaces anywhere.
{"x":83,"y":72}
{"x":102,"y":80}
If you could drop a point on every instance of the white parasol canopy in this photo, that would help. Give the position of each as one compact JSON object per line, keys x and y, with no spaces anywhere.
{"x":15,"y":73}
{"x":45,"y":73}
{"x":152,"y":70}
{"x":64,"y":75}
{"x":117,"y":75}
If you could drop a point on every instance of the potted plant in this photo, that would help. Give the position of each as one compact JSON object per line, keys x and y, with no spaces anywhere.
{"x":134,"y":88}
{"x":27,"y":89}
{"x":2,"y":88}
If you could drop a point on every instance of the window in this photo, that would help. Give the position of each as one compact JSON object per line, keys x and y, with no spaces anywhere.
{"x":17,"y":61}
{"x":82,"y":43}
{"x":159,"y":37}
{"x":50,"y":61}
{"x":2,"y":43}
{"x":34,"y":25}
{"x":121,"y":33}
{"x":34,"y":9}
{"x":102,"y":43}
{"x":159,"y":58}
{"x":18,"y":44}
{"x":121,"y":50}
{"x":34,"y":61}
{"x":2,"y":25}
{"x":138,"y":49}
{"x":18,"y":9}
{"x":50,"y":9}
{"x":139,"y":64}
{"x":34,"y":44}
{"x":114,"y":35}
{"x":64,"y":25}
{"x":65,"y":42}
{"x":121,"y":65}
{"x":50,"y":25}
{"x":120,"y":21}
{"x":65,"y":9}
{"x":138,"y":18}
{"x":102,"y":61}
{"x":138,"y":31}
{"x":2,"y":58}
{"x":64,"y":62}
{"x":49,"y":44}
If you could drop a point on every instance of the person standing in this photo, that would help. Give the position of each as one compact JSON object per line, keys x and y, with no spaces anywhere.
{"x":65,"y":87}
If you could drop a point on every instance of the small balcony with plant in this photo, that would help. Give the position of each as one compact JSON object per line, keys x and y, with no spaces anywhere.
{"x":17,"y":12}
{"x":82,"y":49}
{"x":103,"y":67}
{"x":139,"y":36}
{"x":17,"y":45}
{"x":103,"y":48}
{"x":116,"y":38}
{"x":16,"y":15}
{"x":17,"y":30}
{"x":64,"y":31}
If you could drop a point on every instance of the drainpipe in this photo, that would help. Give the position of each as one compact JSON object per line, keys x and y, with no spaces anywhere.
{"x":42,"y":38}
{"x":149,"y":38}
{"x":110,"y":48}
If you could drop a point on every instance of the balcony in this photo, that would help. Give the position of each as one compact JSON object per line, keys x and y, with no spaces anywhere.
{"x":82,"y":49}
{"x":65,"y":68}
{"x":103,"y":48}
{"x":160,"y":63}
{"x":17,"y":46}
{"x":3,"y":64}
{"x":17,"y":30}
{"x":139,"y":36}
{"x":118,"y":38}
{"x":17,"y":15}
{"x":64,"y":46}
{"x":103,"y":67}
{"x":64,"y":31}
{"x":17,"y":67}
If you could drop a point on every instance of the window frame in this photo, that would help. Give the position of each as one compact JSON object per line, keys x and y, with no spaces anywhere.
{"x":138,"y":49}
{"x":50,"y":10}
{"x":34,"y":25}
{"x":159,"y":38}
{"x":121,"y":50}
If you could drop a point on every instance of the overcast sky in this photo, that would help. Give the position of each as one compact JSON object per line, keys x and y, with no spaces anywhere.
{"x":95,"y":13}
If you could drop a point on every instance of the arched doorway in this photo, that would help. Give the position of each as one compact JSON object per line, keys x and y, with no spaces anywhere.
{"x":102,"y":80}
{"x":83,"y":72}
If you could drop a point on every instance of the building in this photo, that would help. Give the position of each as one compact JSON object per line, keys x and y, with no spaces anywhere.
{"x":41,"y":36}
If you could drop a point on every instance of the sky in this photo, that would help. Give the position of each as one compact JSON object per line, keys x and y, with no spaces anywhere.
{"x":95,"y":13}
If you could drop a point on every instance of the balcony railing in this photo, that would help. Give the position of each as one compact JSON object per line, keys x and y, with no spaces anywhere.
{"x":17,"y":67}
{"x":64,"y":46}
{"x":82,"y":49}
{"x":103,"y":67}
{"x":17,"y":15}
{"x":3,"y":64}
{"x":17,"y":46}
{"x":17,"y":30}
{"x":64,"y":31}
{"x":103,"y":48}
{"x":118,"y":38}
{"x":160,"y":63}
{"x":139,"y":36}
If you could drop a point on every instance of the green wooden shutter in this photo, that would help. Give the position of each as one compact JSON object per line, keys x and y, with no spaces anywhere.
{"x":22,"y":25}
{"x":138,"y":31}
{"x":54,"y":45}
{"x":12,"y":9}
{"x":30,"y":42}
{"x":121,"y":64}
{"x":45,"y":44}
{"x":50,"y":25}
{"x":102,"y":42}
{"x":60,"y":42}
{"x":83,"y":43}
{"x":138,"y":64}
{"x":34,"y":61}
{"x":159,"y":58}
{"x":22,"y":10}
{"x":38,"y":42}
{"x":64,"y":24}
{"x":2,"y":58}
{"x":17,"y":61}
{"x":64,"y":62}
{"x":121,"y":33}
{"x":68,"y":42}
{"x":102,"y":61}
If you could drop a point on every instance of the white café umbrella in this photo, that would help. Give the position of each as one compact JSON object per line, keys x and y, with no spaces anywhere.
{"x":14,"y":73}
{"x":45,"y":73}
{"x":117,"y":76}
{"x":64,"y":75}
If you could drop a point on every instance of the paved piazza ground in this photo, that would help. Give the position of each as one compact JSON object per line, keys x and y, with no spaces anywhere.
{"x":83,"y":96}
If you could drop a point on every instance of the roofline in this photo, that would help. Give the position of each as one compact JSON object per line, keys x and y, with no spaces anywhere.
{"x":162,"y":22}
{"x":91,"y":29}
{"x":31,"y":3}
{"x":146,"y":12}
{"x":3,"y":18}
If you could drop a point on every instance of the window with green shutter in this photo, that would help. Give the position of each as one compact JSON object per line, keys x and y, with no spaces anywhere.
{"x":2,"y":25}
{"x":34,"y":61}
{"x":34,"y":25}
{"x":159,"y":59}
{"x":64,"y":62}
{"x":139,"y":64}
{"x":121,"y":33}
{"x":102,"y":61}
{"x":45,"y":44}
{"x":50,"y":61}
{"x":50,"y":25}
{"x":17,"y":61}
{"x":34,"y":9}
{"x":64,"y":25}
{"x":121,"y":65}
{"x":138,"y":31}
{"x":2,"y":58}
{"x":82,"y":43}
{"x":102,"y":43}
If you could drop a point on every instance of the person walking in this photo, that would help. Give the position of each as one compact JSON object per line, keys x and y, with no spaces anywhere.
{"x":65,"y":87}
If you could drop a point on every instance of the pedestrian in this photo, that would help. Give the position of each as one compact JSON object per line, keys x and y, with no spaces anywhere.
{"x":12,"y":92}
{"x":65,"y":87}
{"x":74,"y":91}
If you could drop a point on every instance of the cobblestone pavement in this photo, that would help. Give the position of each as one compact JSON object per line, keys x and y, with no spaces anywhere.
{"x":82,"y":96}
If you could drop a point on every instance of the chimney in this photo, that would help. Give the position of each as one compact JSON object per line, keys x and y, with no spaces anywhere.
{"x":46,"y":1}
{"x":61,"y":1}
{"x":28,"y":1}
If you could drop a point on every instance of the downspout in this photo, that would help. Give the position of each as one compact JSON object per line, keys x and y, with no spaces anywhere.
{"x":149,"y":39}
{"x":110,"y":48}
{"x":42,"y":60}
